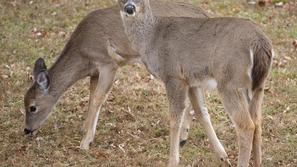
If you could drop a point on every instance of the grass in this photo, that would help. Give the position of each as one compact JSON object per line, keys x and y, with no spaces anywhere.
{"x":32,"y":29}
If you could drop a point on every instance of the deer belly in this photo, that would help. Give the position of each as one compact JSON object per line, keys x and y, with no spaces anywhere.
{"x":209,"y":84}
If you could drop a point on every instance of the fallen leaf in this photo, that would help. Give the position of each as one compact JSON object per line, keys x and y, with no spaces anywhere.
{"x":262,"y":3}
{"x":295,"y":43}
{"x":4,"y":76}
{"x":279,"y":4}
{"x":251,"y":2}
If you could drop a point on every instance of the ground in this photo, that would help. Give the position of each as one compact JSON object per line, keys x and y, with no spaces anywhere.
{"x":134,"y":124}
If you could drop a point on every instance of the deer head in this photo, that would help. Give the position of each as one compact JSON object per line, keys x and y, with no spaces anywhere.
{"x":38,"y":102}
{"x":134,"y":8}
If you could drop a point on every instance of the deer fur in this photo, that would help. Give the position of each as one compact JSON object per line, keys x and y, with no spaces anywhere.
{"x":97,"y":48}
{"x":189,"y":54}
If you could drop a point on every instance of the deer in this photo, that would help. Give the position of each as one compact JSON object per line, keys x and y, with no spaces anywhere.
{"x":97,"y":49}
{"x":232,"y":55}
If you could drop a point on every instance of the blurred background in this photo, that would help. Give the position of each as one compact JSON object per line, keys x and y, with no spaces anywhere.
{"x":133,"y":129}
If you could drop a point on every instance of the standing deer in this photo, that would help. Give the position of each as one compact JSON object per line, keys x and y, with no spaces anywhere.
{"x":187,"y":54}
{"x":97,"y":48}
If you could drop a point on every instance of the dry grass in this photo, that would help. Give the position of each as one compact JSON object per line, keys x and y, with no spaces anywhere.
{"x":32,"y":29}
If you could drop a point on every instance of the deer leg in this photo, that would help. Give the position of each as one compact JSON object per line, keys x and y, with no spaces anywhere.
{"x":256,"y":113}
{"x":105,"y":81}
{"x":176,"y":92}
{"x":197,"y":99}
{"x":236,"y":105}
{"x":186,"y":123}
{"x":93,"y":84}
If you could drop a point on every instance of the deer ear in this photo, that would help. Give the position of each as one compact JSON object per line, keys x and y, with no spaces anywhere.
{"x":39,"y":67}
{"x":40,"y":74}
{"x":43,"y":81}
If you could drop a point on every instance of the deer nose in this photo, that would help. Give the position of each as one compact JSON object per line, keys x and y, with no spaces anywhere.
{"x":28,"y":131}
{"x":130,"y":9}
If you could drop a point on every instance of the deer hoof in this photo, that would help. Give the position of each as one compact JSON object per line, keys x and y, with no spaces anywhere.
{"x":183,"y":143}
{"x":85,"y":144}
{"x":225,"y":162}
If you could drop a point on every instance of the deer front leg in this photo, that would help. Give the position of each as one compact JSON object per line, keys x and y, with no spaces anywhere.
{"x":176,"y":92}
{"x":105,"y":81}
{"x":93,"y":84}
{"x":197,"y":99}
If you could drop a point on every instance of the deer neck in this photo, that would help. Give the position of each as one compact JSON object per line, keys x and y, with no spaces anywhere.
{"x":140,"y":29}
{"x":64,"y":73}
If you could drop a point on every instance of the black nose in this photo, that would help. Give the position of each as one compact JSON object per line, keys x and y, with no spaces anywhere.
{"x":28,"y":131}
{"x":130,"y":9}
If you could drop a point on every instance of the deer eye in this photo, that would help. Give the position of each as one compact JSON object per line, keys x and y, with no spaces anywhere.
{"x":33,"y":109}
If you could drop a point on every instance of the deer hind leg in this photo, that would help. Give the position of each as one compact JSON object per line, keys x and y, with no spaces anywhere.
{"x":197,"y":99}
{"x":186,"y":123}
{"x":105,"y":81}
{"x":256,"y":114}
{"x":176,"y":92}
{"x":236,"y":105}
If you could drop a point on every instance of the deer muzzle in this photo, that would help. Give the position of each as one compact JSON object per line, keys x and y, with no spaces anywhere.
{"x":130,"y":9}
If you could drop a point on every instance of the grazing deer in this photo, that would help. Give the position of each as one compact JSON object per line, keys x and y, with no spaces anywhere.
{"x":230,"y":54}
{"x":97,"y":48}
